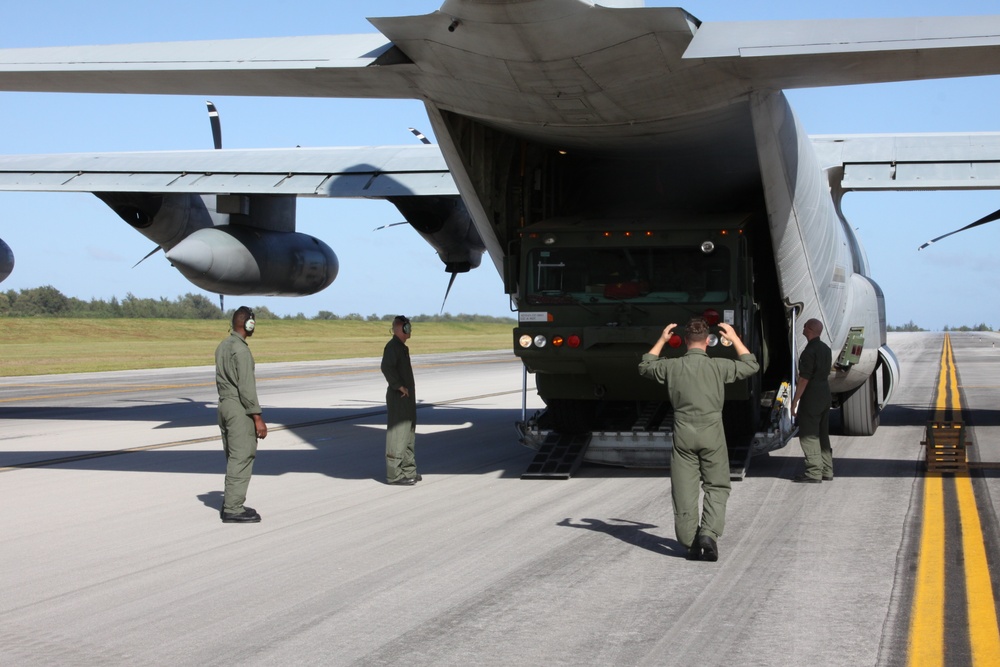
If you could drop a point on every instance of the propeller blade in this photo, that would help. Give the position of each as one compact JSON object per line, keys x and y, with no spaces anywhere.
{"x":448,"y":291}
{"x":222,"y":302}
{"x":995,"y":215}
{"x":420,"y":135}
{"x":213,"y":118}
{"x":148,"y":255}
{"x":395,"y":224}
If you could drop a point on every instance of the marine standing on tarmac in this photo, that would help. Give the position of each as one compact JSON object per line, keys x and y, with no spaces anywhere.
{"x":696,"y":387}
{"x":240,"y":417}
{"x":401,"y":404}
{"x":811,"y":404}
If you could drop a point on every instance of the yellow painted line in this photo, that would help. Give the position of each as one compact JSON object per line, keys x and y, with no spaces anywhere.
{"x":984,"y":633}
{"x":926,"y":639}
{"x":926,"y":643}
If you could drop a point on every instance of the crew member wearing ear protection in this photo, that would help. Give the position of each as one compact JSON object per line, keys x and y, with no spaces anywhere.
{"x":240,"y":417}
{"x":401,"y":402}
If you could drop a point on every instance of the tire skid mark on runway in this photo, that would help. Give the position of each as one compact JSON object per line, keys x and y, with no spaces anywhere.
{"x":270,"y":429}
{"x":930,"y":626}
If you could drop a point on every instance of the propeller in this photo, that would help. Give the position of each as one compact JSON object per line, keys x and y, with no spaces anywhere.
{"x":420,"y":135}
{"x":213,"y":118}
{"x":148,"y":255}
{"x":216,"y":123}
{"x":995,"y":215}
{"x":451,"y":282}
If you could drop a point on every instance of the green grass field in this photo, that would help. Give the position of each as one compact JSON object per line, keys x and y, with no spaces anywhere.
{"x":41,"y":346}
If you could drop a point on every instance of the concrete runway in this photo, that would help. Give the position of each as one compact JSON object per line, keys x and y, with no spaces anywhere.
{"x":122,"y":559}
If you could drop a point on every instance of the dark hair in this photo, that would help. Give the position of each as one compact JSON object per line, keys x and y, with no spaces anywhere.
{"x":242,"y":314}
{"x":696,"y":330}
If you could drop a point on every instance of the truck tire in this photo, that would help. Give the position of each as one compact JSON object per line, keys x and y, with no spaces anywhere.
{"x":859,"y":411}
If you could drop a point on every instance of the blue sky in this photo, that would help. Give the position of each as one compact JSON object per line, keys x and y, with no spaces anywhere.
{"x":75,"y":243}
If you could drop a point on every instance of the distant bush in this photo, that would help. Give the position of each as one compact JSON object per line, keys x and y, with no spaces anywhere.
{"x":47,"y":301}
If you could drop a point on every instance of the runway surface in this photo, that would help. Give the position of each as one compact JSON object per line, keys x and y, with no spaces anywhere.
{"x":121,"y":558}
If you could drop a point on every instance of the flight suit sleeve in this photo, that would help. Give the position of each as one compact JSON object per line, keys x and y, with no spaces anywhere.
{"x":246,"y":383}
{"x":651,"y":368}
{"x":743,"y":367}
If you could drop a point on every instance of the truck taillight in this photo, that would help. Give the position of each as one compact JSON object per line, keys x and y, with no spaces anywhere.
{"x":573,"y":341}
{"x":675,"y":341}
{"x":557,"y":341}
{"x":712,"y":317}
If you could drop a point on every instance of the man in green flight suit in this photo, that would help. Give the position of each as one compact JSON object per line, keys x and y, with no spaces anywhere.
{"x":696,"y":388}
{"x":240,"y":417}
{"x":811,"y":405}
{"x":401,"y":405}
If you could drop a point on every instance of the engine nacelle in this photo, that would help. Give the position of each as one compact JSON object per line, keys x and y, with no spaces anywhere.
{"x":238,"y":260}
{"x":446,"y":225}
{"x":164,"y":219}
{"x":6,"y":260}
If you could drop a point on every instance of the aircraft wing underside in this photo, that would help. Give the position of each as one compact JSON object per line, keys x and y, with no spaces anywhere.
{"x":947,"y":161}
{"x":368,"y":172}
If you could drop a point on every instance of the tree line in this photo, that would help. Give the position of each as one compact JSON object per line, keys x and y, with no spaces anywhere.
{"x":910,"y":326}
{"x":47,"y":301}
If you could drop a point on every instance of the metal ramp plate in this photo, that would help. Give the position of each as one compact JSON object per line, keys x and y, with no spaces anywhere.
{"x":558,"y":457}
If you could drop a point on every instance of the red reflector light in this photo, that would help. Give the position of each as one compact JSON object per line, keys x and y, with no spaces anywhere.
{"x":557,"y":341}
{"x":711,"y":316}
{"x":573,"y":341}
{"x":675,"y":341}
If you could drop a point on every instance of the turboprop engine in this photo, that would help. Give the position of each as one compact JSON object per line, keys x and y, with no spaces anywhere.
{"x":233,"y":259}
{"x":6,"y":260}
{"x":231,"y":244}
{"x":446,"y":225}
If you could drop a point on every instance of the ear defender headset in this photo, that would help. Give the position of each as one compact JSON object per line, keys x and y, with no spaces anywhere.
{"x":407,"y":327}
{"x":249,"y":324}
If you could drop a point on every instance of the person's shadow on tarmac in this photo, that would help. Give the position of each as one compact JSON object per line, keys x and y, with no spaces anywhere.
{"x":632,"y":532}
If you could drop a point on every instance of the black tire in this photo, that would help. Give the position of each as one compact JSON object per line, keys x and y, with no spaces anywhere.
{"x":859,"y":411}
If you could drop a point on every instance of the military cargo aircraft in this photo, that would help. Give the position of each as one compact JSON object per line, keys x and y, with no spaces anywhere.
{"x":623,"y":167}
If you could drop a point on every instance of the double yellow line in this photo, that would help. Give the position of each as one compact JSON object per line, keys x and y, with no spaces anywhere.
{"x":927,"y":624}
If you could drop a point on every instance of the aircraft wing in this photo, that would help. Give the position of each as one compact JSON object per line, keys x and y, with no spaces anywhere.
{"x":831,"y":52}
{"x":369,"y":172}
{"x":760,"y":54}
{"x":946,"y":161}
{"x":316,"y":66}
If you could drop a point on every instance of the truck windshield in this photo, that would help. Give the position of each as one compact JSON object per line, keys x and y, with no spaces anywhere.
{"x":636,"y":274}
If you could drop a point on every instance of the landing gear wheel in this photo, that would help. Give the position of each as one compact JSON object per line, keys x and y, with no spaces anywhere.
{"x":859,"y":411}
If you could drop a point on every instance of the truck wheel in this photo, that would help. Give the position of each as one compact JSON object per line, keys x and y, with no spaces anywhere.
{"x":859,"y":411}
